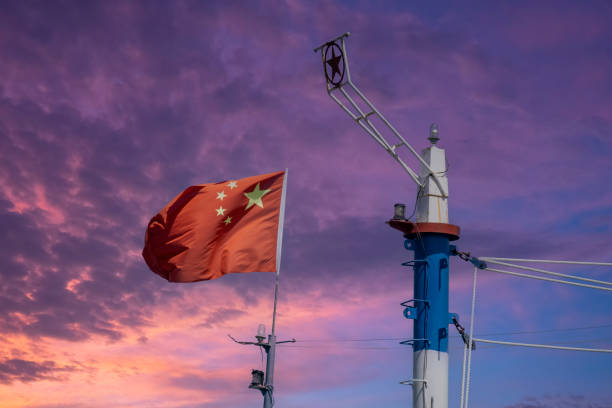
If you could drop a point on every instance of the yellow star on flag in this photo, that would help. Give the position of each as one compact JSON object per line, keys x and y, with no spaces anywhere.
{"x":255,"y":197}
{"x":227,"y":220}
{"x":220,"y":211}
{"x":221,"y":195}
{"x":232,"y":185}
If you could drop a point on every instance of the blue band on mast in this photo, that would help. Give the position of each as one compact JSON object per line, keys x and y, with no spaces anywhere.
{"x":431,"y":280}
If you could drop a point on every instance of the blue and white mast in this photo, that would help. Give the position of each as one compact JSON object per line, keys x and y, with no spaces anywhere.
{"x":428,"y":237}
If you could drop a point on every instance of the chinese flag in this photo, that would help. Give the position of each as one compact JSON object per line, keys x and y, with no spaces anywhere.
{"x":210,"y":230}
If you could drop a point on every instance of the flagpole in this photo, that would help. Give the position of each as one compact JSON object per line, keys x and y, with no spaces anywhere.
{"x":271,"y":349}
{"x":275,"y":300}
{"x":279,"y":246}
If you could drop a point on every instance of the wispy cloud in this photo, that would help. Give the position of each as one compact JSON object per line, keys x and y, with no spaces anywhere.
{"x":108,"y":110}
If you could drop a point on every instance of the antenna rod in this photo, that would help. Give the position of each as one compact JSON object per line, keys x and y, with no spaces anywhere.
{"x":271,"y":353}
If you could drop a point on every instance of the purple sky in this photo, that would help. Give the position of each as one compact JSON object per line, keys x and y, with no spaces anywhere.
{"x":109,"y":109}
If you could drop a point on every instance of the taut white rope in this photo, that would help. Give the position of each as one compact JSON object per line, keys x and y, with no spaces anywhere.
{"x":528,"y":268}
{"x":547,"y":261}
{"x":463,"y":376}
{"x":469,"y":346}
{"x":525,"y":275}
{"x":546,"y":346}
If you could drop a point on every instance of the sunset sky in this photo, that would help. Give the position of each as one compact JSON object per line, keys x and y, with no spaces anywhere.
{"x":110,"y":109}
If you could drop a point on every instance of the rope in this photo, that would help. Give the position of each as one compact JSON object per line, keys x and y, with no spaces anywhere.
{"x":546,"y":346}
{"x":463,"y":375}
{"x":524,"y":275}
{"x":466,"y":376}
{"x":548,"y":261}
{"x":527,"y":268}
{"x":507,"y":333}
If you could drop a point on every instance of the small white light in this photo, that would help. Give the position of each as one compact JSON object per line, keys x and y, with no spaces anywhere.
{"x":433,"y":134}
{"x":399,"y":211}
{"x":261,"y":333}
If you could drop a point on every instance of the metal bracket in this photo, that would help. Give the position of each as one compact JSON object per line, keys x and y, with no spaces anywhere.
{"x":452,"y":317}
{"x":414,"y":262}
{"x":266,"y":346}
{"x":478,"y":263}
{"x":414,"y":301}
{"x":442,"y":333}
{"x":464,"y":336}
{"x":362,"y":118}
{"x":409,"y":245}
{"x":414,"y":380}
{"x":410,"y":342}
{"x":410,"y":311}
{"x":466,"y":256}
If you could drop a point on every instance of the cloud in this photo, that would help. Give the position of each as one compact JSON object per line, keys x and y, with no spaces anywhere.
{"x":12,"y":370}
{"x":559,"y":401}
{"x":199,"y":382}
{"x":221,"y":315}
{"x":107,"y":111}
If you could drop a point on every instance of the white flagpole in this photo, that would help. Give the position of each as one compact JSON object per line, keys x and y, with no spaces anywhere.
{"x":279,"y":246}
{"x":271,"y":347}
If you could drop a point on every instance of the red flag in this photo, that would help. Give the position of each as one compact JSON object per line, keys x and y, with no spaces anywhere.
{"x":210,"y":230}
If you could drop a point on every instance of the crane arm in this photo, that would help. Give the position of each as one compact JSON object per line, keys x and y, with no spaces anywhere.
{"x":338,"y":80}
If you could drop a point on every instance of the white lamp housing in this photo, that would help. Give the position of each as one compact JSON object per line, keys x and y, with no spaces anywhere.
{"x":261,"y":333}
{"x":432,"y":205}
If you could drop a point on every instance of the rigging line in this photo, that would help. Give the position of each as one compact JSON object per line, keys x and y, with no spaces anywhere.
{"x":458,"y":336}
{"x":547,"y":261}
{"x":470,"y":343}
{"x":426,"y":308}
{"x":420,"y":239}
{"x":548,"y":330}
{"x":403,"y":349}
{"x":349,"y":340}
{"x":528,"y":268}
{"x":547,"y":346}
{"x":525,"y":275}
{"x":419,"y":192}
{"x":457,"y":345}
{"x":399,"y":347}
{"x":581,"y":341}
{"x":454,"y":346}
{"x":463,"y":374}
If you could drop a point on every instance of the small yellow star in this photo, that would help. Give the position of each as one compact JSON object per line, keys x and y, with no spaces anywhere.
{"x":221,"y":195}
{"x":220,"y":211}
{"x":227,"y":220}
{"x":255,"y":197}
{"x":232,"y":185}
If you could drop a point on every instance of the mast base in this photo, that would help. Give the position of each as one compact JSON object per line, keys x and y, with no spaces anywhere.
{"x":411,"y":229}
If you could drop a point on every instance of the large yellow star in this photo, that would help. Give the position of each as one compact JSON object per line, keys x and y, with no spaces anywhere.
{"x":255,"y":197}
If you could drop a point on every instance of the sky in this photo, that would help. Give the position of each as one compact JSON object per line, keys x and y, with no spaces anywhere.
{"x":110,"y":109}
